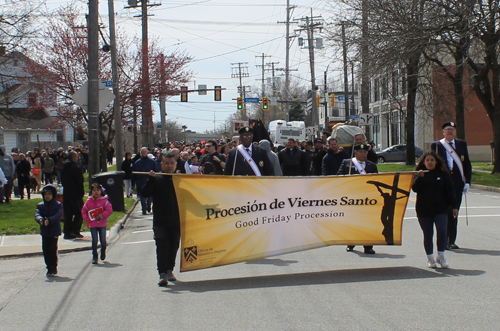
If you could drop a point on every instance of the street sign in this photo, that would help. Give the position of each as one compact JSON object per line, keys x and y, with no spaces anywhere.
{"x":108,"y":83}
{"x":202,"y":89}
{"x":81,"y":96}
{"x":340,"y":98}
{"x":353,"y":116}
{"x":252,"y":100}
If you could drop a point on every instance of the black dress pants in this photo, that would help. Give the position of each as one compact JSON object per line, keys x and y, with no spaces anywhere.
{"x":167,"y":244}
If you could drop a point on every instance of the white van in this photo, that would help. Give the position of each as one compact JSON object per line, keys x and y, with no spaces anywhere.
{"x":280,"y":131}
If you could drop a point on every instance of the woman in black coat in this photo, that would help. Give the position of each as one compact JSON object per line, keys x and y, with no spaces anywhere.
{"x":23,"y":168}
{"x":435,"y":195}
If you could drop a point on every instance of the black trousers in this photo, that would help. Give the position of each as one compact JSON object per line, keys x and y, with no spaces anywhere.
{"x":72,"y":216}
{"x":452,"y":221}
{"x":49,"y":248}
{"x":167,"y":245}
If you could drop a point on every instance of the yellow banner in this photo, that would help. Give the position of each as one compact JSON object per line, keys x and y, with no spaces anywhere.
{"x":227,"y":219}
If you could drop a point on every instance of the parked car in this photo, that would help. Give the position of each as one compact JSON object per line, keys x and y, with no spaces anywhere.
{"x":397,"y":153}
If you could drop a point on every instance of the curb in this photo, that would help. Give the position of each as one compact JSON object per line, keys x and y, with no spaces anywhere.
{"x":113,"y":236}
{"x":485,"y":188}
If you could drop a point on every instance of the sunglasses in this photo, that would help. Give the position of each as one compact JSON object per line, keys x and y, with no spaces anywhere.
{"x":207,"y":146}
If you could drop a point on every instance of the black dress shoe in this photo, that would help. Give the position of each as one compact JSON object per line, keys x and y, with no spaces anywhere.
{"x":349,"y":248}
{"x":76,"y":235}
{"x":144,"y":212}
{"x":69,"y":237}
{"x":369,"y":251}
{"x":454,"y":246}
{"x":94,"y":260}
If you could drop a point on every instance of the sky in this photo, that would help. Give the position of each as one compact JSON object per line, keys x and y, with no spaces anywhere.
{"x":218,"y":34}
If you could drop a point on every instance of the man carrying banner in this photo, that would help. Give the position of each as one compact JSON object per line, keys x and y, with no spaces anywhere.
{"x":248,"y":159}
{"x":166,"y":221}
{"x":359,"y":164}
{"x":455,"y":155}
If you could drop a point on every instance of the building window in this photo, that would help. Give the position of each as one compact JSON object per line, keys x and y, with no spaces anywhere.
{"x":394,"y":128}
{"x":403,"y":82}
{"x":376,"y":91}
{"x":395,"y":83}
{"x":32,"y":100}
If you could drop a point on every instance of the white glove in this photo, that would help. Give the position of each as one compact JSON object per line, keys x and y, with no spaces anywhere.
{"x":466,"y":188}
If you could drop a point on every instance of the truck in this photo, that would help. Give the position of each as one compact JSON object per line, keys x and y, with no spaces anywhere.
{"x":281,"y":130}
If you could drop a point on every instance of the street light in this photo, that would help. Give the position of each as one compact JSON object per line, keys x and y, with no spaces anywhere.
{"x":184,"y":127}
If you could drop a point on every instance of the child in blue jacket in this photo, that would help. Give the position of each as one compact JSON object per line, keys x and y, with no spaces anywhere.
{"x":48,"y":215}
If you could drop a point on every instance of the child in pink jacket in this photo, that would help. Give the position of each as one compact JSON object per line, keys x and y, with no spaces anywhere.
{"x":96,"y":212}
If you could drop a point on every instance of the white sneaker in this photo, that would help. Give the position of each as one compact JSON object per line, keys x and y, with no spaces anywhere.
{"x":170,"y":276}
{"x":431,"y":263}
{"x":442,"y":261}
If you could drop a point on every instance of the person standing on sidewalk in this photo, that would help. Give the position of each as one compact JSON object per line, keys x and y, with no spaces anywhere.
{"x":144,"y":164}
{"x":9,"y":170}
{"x":73,"y":192}
{"x":166,"y":220}
{"x":435,"y":194}
{"x":48,"y":215}
{"x":127,"y":166}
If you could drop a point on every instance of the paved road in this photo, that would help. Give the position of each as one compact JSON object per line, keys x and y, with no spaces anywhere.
{"x":321,"y":289}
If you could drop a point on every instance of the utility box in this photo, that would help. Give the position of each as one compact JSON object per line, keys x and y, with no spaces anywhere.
{"x":112,"y":181}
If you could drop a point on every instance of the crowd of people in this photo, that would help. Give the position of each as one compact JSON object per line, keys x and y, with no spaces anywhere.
{"x":27,"y":173}
{"x":443,"y":175}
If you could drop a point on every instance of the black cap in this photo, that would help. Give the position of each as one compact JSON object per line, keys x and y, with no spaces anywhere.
{"x":452,"y":124}
{"x":245,"y":129}
{"x":318,"y":140}
{"x":361,"y":146}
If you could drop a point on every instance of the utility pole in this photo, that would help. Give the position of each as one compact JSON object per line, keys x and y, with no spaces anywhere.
{"x":365,"y":79}
{"x":263,"y":67}
{"x":240,"y":73}
{"x":116,"y":90}
{"x":310,"y":26}
{"x":93,"y":96}
{"x":163,"y":100}
{"x":274,"y":86}
{"x":287,"y":59}
{"x":346,"y":78}
{"x":147,"y":115}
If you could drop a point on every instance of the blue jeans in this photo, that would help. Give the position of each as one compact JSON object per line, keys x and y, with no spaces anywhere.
{"x":101,"y":232}
{"x":427,"y":225}
{"x":145,"y":202}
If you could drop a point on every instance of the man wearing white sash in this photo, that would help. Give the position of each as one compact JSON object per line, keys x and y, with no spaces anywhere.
{"x":359,"y":164}
{"x":248,"y":159}
{"x":455,"y":155}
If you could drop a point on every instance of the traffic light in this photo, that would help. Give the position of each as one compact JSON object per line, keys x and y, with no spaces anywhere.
{"x":184,"y":94}
{"x":239,"y":103}
{"x":332,"y":100}
{"x":265,"y":103}
{"x":217,"y":93}
{"x":317,"y":100}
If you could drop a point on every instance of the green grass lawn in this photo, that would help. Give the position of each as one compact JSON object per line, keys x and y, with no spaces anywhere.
{"x":18,"y":217}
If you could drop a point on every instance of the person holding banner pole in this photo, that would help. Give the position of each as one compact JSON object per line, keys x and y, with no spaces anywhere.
{"x":359,"y":164}
{"x":435,"y":195}
{"x":248,"y":159}
{"x":166,"y":219}
{"x":456,"y":156}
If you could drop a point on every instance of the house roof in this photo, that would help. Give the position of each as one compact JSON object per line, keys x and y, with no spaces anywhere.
{"x":22,"y":118}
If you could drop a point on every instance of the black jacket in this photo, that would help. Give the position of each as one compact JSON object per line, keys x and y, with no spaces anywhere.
{"x":210,"y":158}
{"x":127,"y":168}
{"x":293,"y":162}
{"x":463,"y":153}
{"x":53,"y":211}
{"x":242,"y":168}
{"x":317,"y":162}
{"x":72,"y":181}
{"x":434,"y":193}
{"x":165,"y":209}
{"x":370,"y":168}
{"x":332,"y":162}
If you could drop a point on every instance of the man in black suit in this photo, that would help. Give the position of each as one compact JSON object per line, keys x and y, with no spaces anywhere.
{"x":248,"y":159}
{"x":455,"y":155}
{"x":359,"y":164}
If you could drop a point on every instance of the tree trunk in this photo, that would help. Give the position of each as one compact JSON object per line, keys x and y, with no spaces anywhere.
{"x":412,"y":81}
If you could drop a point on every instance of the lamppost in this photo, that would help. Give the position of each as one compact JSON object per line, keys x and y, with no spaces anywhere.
{"x":184,"y":127}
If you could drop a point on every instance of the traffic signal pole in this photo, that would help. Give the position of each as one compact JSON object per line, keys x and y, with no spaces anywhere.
{"x":93,"y":96}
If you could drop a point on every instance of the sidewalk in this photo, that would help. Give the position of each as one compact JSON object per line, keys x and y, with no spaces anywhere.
{"x":31,"y":244}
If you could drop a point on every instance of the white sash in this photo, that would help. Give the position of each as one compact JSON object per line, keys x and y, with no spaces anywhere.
{"x":454,"y":156}
{"x":358,"y":166}
{"x":249,"y":159}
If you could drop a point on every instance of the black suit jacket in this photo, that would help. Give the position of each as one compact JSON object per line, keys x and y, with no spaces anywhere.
{"x":463,"y":154}
{"x":242,"y":168}
{"x":370,"y":168}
